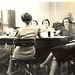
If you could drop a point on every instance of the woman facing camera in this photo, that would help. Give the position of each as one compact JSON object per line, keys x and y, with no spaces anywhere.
{"x":27,"y":32}
{"x":65,"y":24}
{"x":46,"y":31}
{"x":60,"y":54}
{"x":34,"y":23}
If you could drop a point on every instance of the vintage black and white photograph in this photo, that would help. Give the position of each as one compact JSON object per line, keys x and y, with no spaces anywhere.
{"x":37,"y":37}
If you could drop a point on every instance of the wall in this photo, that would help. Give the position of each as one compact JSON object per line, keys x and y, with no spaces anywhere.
{"x":62,"y":9}
{"x":54,"y":11}
{"x":20,"y":7}
{"x":44,"y":11}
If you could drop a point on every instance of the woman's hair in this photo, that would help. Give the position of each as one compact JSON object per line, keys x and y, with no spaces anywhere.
{"x":46,"y":20}
{"x":26,"y":18}
{"x":67,"y":19}
{"x":35,"y":21}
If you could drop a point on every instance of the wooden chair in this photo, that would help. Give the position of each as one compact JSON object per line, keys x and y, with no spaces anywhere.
{"x":22,"y":63}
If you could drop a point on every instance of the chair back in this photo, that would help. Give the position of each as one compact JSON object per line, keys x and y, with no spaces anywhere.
{"x":24,"y":42}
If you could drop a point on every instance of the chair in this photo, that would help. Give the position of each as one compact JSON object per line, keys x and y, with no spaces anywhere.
{"x":5,"y":47}
{"x":22,"y":63}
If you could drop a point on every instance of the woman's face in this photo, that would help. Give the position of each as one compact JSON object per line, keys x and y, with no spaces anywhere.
{"x":34,"y":23}
{"x":66,"y":23}
{"x":45,"y":23}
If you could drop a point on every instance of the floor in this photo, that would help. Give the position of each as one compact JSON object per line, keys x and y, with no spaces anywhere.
{"x":44,"y":71}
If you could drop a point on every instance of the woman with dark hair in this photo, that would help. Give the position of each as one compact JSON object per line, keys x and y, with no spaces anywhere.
{"x":46,"y":30}
{"x":34,"y":23}
{"x":65,"y":24}
{"x":59,"y":54}
{"x":27,"y":32}
{"x":45,"y":21}
{"x":67,"y":20}
{"x":46,"y":25}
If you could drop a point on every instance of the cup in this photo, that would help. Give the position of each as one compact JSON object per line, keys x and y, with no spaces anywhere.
{"x":48,"y":33}
{"x":51,"y":34}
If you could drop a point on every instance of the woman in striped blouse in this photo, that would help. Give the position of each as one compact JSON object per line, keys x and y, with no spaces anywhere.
{"x":27,"y":32}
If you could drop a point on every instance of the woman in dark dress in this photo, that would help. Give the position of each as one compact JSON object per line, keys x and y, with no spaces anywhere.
{"x":60,"y":53}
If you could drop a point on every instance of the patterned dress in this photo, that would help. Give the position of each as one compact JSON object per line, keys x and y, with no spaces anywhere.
{"x":25,"y":53}
{"x":4,"y":53}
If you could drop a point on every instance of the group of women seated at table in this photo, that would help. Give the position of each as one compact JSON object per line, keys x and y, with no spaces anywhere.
{"x":62,"y":53}
{"x":31,"y":30}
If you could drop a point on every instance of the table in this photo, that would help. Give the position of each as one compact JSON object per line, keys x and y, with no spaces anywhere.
{"x":44,"y":45}
{"x":8,"y":41}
